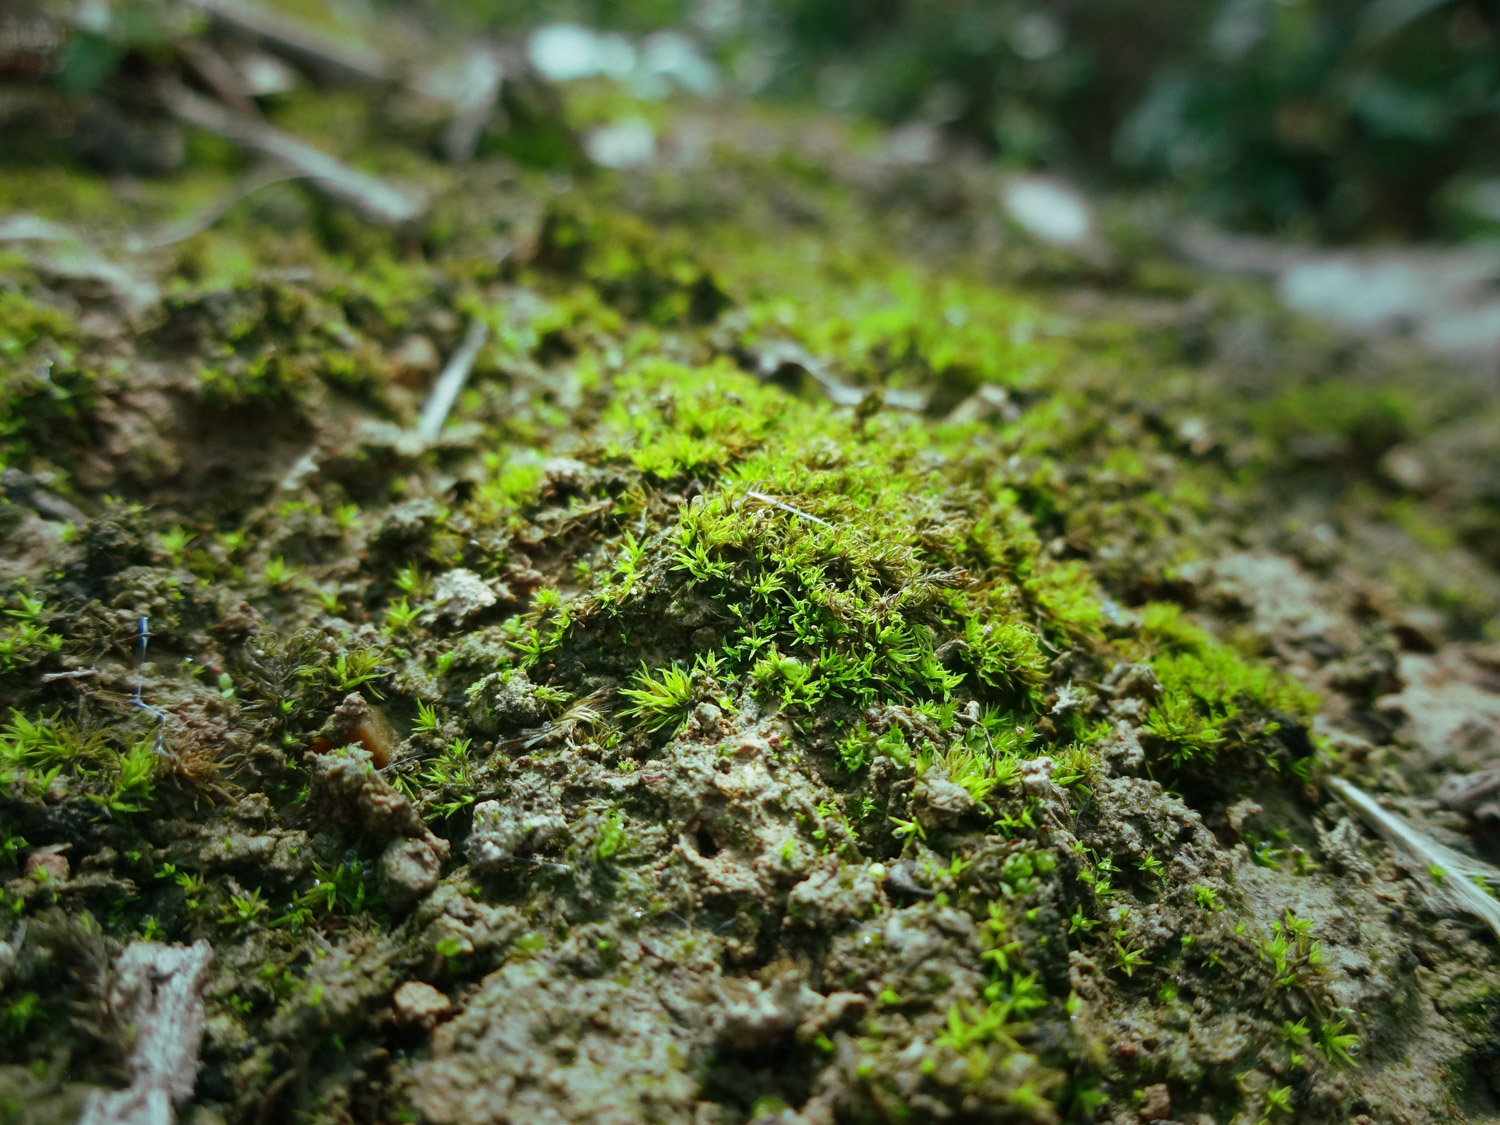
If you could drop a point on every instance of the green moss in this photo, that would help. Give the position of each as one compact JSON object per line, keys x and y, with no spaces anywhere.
{"x":55,"y":192}
{"x":116,"y":774}
{"x":641,"y":271}
{"x":882,"y":320}
{"x":1069,"y":599}
{"x":661,"y":701}
{"x":834,"y":550}
{"x":1429,"y":533}
{"x":25,"y":324}
{"x":1339,"y":420}
{"x":701,"y":573}
{"x":1212,"y":697}
{"x":45,"y":393}
{"x":673,"y":421}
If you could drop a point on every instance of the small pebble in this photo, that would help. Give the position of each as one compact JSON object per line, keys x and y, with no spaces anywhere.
{"x":409,"y":869}
{"x":48,"y":865}
{"x":418,"y":1004}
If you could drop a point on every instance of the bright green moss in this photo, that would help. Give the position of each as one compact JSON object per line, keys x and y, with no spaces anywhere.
{"x":1004,"y":653}
{"x":884,"y":321}
{"x":844,"y":559}
{"x":115,"y":776}
{"x":670,"y":420}
{"x":660,"y":700}
{"x":1212,"y":697}
{"x":829,"y":599}
{"x":1070,"y":600}
{"x":25,"y":324}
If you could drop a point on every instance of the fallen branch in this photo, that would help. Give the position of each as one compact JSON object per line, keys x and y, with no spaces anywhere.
{"x":774,"y":359}
{"x":214,"y":71}
{"x":81,"y":674}
{"x":373,"y":198}
{"x":1450,"y":875}
{"x":298,"y":41}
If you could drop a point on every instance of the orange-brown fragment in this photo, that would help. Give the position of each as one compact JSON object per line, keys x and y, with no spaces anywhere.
{"x":357,"y":722}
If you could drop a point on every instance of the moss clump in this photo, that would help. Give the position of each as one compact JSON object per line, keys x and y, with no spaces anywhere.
{"x":838,"y":560}
{"x":44,"y":391}
{"x":893,"y":322}
{"x":625,"y":262}
{"x":1212,"y":697}
{"x":26,"y":325}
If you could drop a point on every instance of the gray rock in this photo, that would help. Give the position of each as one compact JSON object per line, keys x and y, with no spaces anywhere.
{"x":418,"y":1003}
{"x":1132,"y":681}
{"x":1122,"y":753}
{"x":755,"y":1015}
{"x":157,"y":989}
{"x":461,"y":595}
{"x":343,"y":784}
{"x":345,"y":787}
{"x":939,"y":801}
{"x":565,"y":474}
{"x":504,"y":701}
{"x":503,"y":831}
{"x":409,"y":869}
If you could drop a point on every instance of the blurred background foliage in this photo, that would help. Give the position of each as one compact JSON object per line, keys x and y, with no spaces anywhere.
{"x":1339,"y":119}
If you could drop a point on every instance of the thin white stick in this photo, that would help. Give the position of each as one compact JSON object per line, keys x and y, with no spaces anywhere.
{"x":775,"y":503}
{"x":451,"y":381}
{"x":196,"y":224}
{"x":1455,"y":887}
{"x":144,"y":636}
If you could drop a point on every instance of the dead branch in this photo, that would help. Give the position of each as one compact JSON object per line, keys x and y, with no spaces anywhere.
{"x":375,"y":199}
{"x":299,"y":42}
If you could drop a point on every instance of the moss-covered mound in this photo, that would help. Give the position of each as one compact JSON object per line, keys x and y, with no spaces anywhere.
{"x":841,"y":661}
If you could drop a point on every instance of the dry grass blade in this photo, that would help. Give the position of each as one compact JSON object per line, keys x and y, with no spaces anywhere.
{"x":1451,"y":874}
{"x":196,"y":224}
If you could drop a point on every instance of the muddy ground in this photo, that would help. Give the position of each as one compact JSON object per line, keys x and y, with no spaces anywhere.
{"x":842,"y":659}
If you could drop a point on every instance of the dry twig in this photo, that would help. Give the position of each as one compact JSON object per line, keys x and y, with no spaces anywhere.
{"x":377,"y":200}
{"x":299,"y":42}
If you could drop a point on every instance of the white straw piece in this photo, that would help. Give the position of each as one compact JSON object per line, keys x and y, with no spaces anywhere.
{"x":775,"y":503}
{"x":1450,"y":875}
{"x":451,"y":381}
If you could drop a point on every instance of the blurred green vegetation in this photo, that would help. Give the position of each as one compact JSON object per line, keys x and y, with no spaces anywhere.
{"x":1333,"y":119}
{"x":1340,"y":119}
